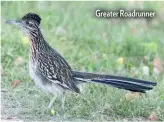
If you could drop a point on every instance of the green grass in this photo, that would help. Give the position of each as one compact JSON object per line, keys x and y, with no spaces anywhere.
{"x":88,"y":44}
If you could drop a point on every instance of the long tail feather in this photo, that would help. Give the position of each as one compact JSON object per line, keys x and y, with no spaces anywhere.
{"x":131,"y":84}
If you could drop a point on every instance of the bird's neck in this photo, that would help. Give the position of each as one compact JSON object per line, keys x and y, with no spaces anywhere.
{"x":37,"y":42}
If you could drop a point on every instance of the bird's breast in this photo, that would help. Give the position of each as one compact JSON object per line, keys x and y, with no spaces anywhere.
{"x":32,"y":70}
{"x":35,"y":77}
{"x":42,"y":82}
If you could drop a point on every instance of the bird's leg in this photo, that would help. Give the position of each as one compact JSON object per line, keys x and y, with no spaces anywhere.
{"x":63,"y":100}
{"x":52,"y":101}
{"x":62,"y":103}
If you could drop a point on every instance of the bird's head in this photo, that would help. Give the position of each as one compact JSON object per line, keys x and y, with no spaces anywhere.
{"x":28,"y":23}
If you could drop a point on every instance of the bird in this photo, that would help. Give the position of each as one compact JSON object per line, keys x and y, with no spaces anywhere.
{"x":51,"y":72}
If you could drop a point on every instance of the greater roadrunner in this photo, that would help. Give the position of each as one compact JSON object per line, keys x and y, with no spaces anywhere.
{"x":53,"y":74}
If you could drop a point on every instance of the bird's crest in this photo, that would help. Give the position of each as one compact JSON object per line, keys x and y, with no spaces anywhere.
{"x":32,"y":16}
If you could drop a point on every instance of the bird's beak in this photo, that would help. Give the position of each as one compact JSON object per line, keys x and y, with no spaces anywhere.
{"x":15,"y":22}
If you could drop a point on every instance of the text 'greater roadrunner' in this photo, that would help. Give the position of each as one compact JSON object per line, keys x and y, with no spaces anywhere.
{"x":53,"y":74}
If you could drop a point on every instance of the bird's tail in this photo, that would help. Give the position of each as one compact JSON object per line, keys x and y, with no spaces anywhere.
{"x":131,"y":84}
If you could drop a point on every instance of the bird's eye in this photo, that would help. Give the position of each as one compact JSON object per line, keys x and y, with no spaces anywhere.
{"x":27,"y":22}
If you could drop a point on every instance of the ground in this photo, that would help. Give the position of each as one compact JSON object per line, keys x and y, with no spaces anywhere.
{"x":125,"y":47}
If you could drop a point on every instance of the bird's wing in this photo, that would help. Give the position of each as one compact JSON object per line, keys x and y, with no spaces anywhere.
{"x":57,"y":70}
